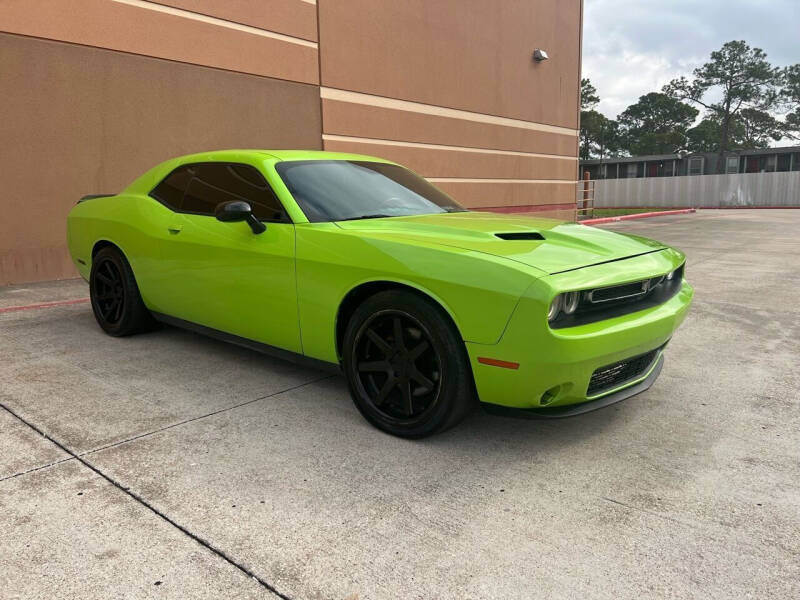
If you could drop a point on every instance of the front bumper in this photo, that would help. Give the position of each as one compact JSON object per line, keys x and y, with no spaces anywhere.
{"x":556,"y":365}
{"x":571,"y":410}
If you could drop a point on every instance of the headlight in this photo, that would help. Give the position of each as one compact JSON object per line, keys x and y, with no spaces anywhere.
{"x":555,"y":307}
{"x":566,"y":303}
{"x":570,"y":302}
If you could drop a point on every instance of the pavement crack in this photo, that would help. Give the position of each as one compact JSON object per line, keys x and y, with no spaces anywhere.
{"x":34,"y":469}
{"x":649,"y":512}
{"x":140,"y":500}
{"x":211,"y":414}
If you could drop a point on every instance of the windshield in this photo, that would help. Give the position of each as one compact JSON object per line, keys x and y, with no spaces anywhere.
{"x":339,"y":190}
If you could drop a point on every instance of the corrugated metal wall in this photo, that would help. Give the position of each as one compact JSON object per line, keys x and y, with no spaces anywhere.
{"x":715,"y":191}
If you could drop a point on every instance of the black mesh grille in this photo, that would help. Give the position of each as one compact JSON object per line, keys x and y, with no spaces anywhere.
{"x":619,"y":292}
{"x":610,"y":376}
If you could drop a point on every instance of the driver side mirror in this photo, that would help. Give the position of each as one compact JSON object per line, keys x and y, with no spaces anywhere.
{"x":238,"y":210}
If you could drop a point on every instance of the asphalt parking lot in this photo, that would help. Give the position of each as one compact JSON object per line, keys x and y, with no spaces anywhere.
{"x":175,"y":466}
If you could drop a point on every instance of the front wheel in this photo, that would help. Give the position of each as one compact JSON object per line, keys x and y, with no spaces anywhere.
{"x":406,"y":365}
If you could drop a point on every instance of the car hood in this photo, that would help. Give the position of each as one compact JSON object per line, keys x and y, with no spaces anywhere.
{"x":545,"y":244}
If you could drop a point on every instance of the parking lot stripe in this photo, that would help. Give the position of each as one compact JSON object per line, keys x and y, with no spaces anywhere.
{"x":44,"y":305}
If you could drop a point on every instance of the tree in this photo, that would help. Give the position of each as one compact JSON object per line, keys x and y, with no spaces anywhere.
{"x":656,"y":124}
{"x":790,"y":94}
{"x":704,"y":137}
{"x":751,"y":129}
{"x":589,"y":97}
{"x":741,"y":77}
{"x":757,"y":129}
{"x":599,"y":134}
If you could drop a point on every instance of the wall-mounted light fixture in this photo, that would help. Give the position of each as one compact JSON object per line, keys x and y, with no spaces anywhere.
{"x":540,"y":55}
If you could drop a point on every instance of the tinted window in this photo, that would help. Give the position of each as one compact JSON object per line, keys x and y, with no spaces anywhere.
{"x":199,"y":188}
{"x":170,"y":190}
{"x":335,"y":190}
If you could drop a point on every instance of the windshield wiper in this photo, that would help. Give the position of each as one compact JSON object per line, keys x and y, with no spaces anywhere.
{"x":376,"y":216}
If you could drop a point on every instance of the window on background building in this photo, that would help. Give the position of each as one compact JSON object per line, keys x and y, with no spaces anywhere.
{"x":696,"y":165}
{"x":769,"y":163}
{"x":631,"y":170}
{"x":752,"y":164}
{"x":796,"y":161}
{"x":784,"y":161}
{"x":732,"y":164}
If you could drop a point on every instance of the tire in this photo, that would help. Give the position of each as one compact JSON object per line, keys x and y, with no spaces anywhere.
{"x":116,"y":302}
{"x":415,"y":388}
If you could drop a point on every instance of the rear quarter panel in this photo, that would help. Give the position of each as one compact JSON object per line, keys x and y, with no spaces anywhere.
{"x":130,"y":222}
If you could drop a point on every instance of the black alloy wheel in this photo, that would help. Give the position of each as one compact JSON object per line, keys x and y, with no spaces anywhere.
{"x":406,"y":365}
{"x":110,"y":296}
{"x":116,"y":302}
{"x":399,"y":370}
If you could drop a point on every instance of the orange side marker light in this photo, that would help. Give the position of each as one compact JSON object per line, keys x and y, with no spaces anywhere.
{"x":498,"y":363}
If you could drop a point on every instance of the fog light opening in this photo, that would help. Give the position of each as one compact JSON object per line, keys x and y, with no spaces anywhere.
{"x":550,"y":395}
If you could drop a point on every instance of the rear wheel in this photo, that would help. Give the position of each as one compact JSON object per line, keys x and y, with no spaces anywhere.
{"x":116,"y":302}
{"x":406,"y":365}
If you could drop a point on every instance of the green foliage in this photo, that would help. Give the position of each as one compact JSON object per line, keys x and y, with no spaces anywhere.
{"x":790,"y":95}
{"x":743,"y":80}
{"x":750,"y":129}
{"x":656,"y":124}
{"x":704,"y":137}
{"x":600,"y":136}
{"x":740,"y":91}
{"x":589,"y":97}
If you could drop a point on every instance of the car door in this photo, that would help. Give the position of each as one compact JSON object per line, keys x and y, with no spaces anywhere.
{"x":222,"y":275}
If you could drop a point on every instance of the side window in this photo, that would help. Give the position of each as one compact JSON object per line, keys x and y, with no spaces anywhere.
{"x":170,"y":190}
{"x":214,"y":183}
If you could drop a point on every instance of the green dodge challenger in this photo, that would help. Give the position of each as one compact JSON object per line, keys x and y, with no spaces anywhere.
{"x":356,"y":263}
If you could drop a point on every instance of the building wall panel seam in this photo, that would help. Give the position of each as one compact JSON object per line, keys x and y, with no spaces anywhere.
{"x":384,"y":142}
{"x":328,"y":93}
{"x":187,"y":14}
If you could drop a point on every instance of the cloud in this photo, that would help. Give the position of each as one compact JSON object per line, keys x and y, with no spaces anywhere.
{"x":632,"y":47}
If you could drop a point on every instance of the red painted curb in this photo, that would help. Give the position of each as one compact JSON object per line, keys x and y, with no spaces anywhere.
{"x":646,"y":215}
{"x":44,"y":305}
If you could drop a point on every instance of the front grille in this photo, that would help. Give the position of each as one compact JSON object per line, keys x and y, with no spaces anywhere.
{"x":619,"y":292}
{"x":611,"y":376}
{"x":608,"y":302}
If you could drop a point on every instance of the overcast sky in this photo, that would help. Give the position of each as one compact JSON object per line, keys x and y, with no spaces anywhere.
{"x":632,"y":47}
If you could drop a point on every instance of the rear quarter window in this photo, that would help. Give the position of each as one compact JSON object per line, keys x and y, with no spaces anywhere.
{"x":199,"y":188}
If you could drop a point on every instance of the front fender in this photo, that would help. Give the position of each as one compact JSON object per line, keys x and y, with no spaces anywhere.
{"x":479,"y":291}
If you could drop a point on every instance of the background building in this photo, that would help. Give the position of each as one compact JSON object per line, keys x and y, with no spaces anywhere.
{"x":766,"y":160}
{"x":97,"y":91}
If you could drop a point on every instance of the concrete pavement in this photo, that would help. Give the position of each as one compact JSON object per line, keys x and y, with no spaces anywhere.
{"x":218,"y":472}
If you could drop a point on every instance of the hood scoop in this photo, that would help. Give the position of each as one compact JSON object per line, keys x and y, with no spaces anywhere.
{"x":521,"y":235}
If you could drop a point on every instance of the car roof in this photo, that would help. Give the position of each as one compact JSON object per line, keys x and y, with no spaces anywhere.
{"x":278,"y":154}
{"x":145,"y":182}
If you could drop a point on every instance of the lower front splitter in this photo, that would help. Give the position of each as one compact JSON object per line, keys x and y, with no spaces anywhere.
{"x":571,"y":410}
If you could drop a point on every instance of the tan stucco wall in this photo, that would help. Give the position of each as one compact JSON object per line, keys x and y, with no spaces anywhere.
{"x":450,"y":88}
{"x":79,"y":120}
{"x":97,"y":91}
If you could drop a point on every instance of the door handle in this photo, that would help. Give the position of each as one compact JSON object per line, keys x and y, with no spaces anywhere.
{"x":173,"y":229}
